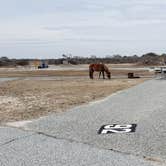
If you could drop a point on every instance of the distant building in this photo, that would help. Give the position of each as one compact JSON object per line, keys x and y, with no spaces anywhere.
{"x":65,"y":62}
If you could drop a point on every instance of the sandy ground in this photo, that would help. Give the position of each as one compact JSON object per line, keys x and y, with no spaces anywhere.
{"x":28,"y":99}
{"x":39,"y":73}
{"x":71,"y":70}
{"x":32,"y":96}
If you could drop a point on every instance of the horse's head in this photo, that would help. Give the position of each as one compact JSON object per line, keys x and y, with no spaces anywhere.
{"x":109,"y":75}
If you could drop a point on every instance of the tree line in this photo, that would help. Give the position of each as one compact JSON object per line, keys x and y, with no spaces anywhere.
{"x":146,"y":59}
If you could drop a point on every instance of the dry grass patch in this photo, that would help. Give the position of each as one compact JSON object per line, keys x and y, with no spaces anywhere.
{"x":28,"y":99}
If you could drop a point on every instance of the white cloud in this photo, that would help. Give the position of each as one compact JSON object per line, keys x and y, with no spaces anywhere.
{"x":77,"y":26}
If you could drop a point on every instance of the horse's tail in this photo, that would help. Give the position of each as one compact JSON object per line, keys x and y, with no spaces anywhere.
{"x":90,"y":74}
{"x":91,"y":71}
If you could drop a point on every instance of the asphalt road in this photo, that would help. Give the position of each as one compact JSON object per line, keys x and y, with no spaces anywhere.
{"x":72,"y":138}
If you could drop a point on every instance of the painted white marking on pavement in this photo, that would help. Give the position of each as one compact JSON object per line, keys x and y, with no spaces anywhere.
{"x":115,"y":128}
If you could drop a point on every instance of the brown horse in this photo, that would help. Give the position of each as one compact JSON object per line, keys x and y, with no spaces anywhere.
{"x":100,"y":68}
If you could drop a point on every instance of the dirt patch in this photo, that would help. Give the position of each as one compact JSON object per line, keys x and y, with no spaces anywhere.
{"x":28,"y":99}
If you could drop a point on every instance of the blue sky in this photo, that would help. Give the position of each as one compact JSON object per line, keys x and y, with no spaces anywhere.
{"x":50,"y":28}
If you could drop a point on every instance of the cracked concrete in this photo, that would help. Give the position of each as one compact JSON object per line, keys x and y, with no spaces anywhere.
{"x":144,"y":105}
{"x":40,"y":149}
{"x":15,"y":139}
{"x":87,"y":144}
{"x":9,"y":134}
{"x":71,"y":138}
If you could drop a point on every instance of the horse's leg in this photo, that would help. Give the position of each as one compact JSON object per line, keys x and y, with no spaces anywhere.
{"x":103,"y":75}
{"x":99,"y":74}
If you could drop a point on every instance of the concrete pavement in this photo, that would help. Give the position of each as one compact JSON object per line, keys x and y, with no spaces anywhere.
{"x":38,"y":149}
{"x":71,"y":138}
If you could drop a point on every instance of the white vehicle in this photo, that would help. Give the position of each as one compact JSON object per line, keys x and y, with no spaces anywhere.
{"x":160,"y":69}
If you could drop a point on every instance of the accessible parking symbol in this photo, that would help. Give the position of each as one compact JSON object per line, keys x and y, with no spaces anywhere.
{"x":116,"y":128}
